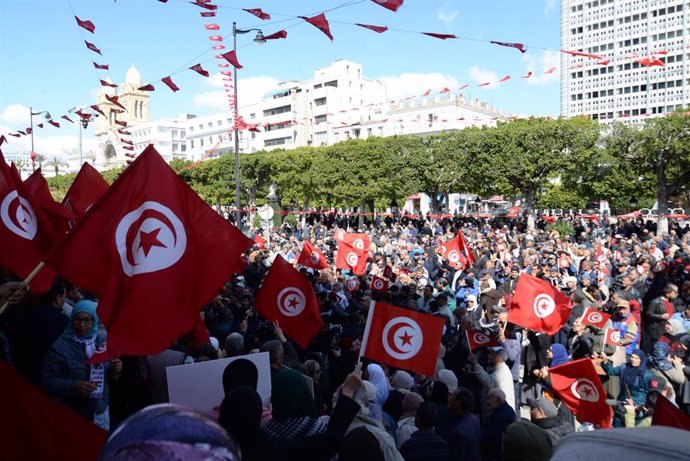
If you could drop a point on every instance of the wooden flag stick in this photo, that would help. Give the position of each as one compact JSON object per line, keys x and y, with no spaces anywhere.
{"x":25,"y":283}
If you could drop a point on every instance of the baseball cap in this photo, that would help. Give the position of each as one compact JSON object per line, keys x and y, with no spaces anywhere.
{"x":544,"y":405}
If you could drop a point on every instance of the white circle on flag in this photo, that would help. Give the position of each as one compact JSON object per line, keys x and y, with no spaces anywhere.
{"x":615,"y":336}
{"x":358,"y":243}
{"x":352,"y":259}
{"x":544,"y":305}
{"x":291,"y":301}
{"x":149,"y":239}
{"x":352,"y":283}
{"x":402,"y":338}
{"x":481,"y":338}
{"x":314,"y":258}
{"x":584,"y":389}
{"x":378,"y":284}
{"x":453,"y":256}
{"x":18,"y":216}
{"x":594,"y":317}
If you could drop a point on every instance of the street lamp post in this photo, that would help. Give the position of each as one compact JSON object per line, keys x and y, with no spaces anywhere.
{"x":31,"y":120}
{"x":258,"y":39}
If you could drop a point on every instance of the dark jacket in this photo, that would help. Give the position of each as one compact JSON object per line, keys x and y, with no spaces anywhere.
{"x":652,"y":318}
{"x":425,"y":446}
{"x":464,"y":441}
{"x":493,"y":429}
{"x":555,"y":427}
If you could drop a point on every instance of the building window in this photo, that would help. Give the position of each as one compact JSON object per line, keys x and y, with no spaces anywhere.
{"x":333,"y":83}
{"x":191,"y":144}
{"x":320,"y":118}
{"x":320,"y":102}
{"x":277,"y":110}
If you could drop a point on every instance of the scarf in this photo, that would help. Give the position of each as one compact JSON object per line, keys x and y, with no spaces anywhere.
{"x":560,"y":355}
{"x":378,"y":378}
{"x":294,"y":428}
{"x":659,"y":357}
{"x":630,"y":374}
{"x":89,"y":340}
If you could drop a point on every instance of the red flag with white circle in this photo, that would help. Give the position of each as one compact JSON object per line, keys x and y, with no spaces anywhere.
{"x":613,"y":337}
{"x":351,"y":258}
{"x":378,"y":284}
{"x":580,"y":388}
{"x":594,"y":317}
{"x":288,"y":297}
{"x":312,"y":257}
{"x":352,"y":284}
{"x":538,"y":305}
{"x":478,"y":339}
{"x":154,"y":252}
{"x":402,"y":338}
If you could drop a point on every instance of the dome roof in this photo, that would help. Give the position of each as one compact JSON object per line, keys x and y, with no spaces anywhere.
{"x":133,"y":76}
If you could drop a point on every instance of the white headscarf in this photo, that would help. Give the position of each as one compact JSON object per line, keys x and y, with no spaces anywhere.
{"x":378,"y":378}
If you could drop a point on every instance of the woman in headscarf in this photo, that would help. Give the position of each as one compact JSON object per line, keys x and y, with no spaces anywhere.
{"x":662,"y":363}
{"x":634,"y":380}
{"x":169,"y":432}
{"x":65,"y":373}
{"x":377,"y":377}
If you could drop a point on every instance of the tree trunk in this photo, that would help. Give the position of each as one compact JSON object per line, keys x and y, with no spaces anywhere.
{"x":304,"y":214}
{"x":434,"y":202}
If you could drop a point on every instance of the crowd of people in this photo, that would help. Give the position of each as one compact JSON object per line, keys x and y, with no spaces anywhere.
{"x":492,"y":403}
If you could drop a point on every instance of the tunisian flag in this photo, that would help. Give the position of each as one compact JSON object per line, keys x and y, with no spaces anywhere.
{"x":359,"y":241}
{"x":57,"y":215}
{"x":288,"y":297}
{"x":478,"y":339}
{"x":456,"y":251}
{"x":25,"y":232}
{"x":154,"y":252}
{"x":259,"y":240}
{"x":88,"y":186}
{"x":579,"y":387}
{"x":351,"y":258}
{"x":595,"y":318}
{"x":538,"y":305}
{"x":402,"y":338}
{"x":312,"y":257}
{"x":378,"y":284}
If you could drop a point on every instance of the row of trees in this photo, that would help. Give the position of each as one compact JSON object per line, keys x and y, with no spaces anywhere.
{"x":552,"y":163}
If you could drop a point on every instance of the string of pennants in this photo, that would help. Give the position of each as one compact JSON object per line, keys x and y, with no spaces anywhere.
{"x":320,"y":22}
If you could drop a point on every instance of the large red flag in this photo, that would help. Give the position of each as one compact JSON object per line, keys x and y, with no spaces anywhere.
{"x":538,"y":305}
{"x":25,"y":232}
{"x":87,"y":187}
{"x":402,"y":338}
{"x":154,"y":252}
{"x":288,"y":297}
{"x":351,"y":258}
{"x":259,"y":240}
{"x":58,"y":215}
{"x":579,"y":387}
{"x":34,"y":426}
{"x":478,"y":339}
{"x":312,"y":257}
{"x":456,"y":251}
{"x":595,"y":318}
{"x":667,"y":414}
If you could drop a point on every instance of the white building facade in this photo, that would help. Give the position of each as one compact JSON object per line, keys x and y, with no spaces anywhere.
{"x":339,"y":103}
{"x":614,"y":85}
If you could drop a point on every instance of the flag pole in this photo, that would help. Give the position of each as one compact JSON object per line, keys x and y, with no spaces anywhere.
{"x":370,"y":316}
{"x":603,"y":343}
{"x":24,"y":283}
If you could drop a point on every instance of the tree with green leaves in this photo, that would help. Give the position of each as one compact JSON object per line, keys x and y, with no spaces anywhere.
{"x":661,"y":147}
{"x":55,"y":162}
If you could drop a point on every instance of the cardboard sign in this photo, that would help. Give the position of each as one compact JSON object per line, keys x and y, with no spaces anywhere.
{"x":200,"y":385}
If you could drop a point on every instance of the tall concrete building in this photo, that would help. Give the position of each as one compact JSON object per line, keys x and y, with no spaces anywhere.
{"x":624,"y":34}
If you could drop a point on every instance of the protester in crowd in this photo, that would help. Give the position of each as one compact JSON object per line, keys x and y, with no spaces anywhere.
{"x":66,"y":374}
{"x":499,"y":416}
{"x":464,"y":441}
{"x":634,"y":379}
{"x":406,"y":424}
{"x":544,"y":414}
{"x":498,"y":374}
{"x":425,"y":444}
